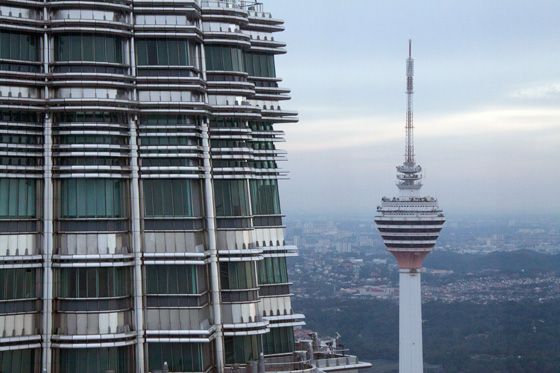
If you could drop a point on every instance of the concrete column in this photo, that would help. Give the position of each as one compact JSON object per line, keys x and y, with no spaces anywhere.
{"x":410,"y":322}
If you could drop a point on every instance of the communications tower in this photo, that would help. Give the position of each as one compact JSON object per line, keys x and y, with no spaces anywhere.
{"x":409,"y":225}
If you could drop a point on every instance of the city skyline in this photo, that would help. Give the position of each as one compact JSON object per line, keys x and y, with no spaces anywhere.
{"x":486,"y":124}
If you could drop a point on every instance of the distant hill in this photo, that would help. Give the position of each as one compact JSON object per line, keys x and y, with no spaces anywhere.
{"x":527,"y":260}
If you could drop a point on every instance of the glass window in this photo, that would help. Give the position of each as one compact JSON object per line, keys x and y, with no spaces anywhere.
{"x":171,"y":197}
{"x":173,"y":279}
{"x":100,"y":54}
{"x":180,"y":357}
{"x":231,"y":198}
{"x":92,"y":198}
{"x":272,"y":271}
{"x":260,"y":64}
{"x":141,"y":52}
{"x":17,"y":283}
{"x":163,"y":52}
{"x":279,"y":340}
{"x":238,"y":275}
{"x":94,"y":282}
{"x":92,"y":360}
{"x":18,"y":198}
{"x":220,"y":57}
{"x":240,"y":350}
{"x":264,"y":197}
{"x":89,"y":47}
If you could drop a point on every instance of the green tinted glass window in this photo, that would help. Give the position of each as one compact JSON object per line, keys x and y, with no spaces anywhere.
{"x":264,"y":197}
{"x":92,"y":198}
{"x":231,"y":198}
{"x":171,"y":198}
{"x":180,"y":357}
{"x":221,"y":57}
{"x":19,"y":46}
{"x":18,"y":198}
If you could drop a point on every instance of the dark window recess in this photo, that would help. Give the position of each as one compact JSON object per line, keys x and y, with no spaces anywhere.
{"x":233,"y":223}
{"x":93,"y":305}
{"x":90,"y":117}
{"x":173,"y":224}
{"x":168,"y":301}
{"x":215,"y":77}
{"x":19,"y":116}
{"x":410,"y":246}
{"x":168,"y":162}
{"x":64,"y":69}
{"x":240,"y":296}
{"x":173,"y":119}
{"x":19,"y":306}
{"x":267,"y":221}
{"x":69,"y":225}
{"x":272,"y":290}
{"x":409,"y":238}
{"x":20,"y":68}
{"x":407,"y":230}
{"x":20,"y":226}
{"x":227,"y":123}
{"x":411,"y":222}
{"x":21,"y":161}
{"x":166,"y":73}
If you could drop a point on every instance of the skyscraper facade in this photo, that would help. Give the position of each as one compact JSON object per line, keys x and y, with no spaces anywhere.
{"x":140,"y":222}
{"x":410,"y":225}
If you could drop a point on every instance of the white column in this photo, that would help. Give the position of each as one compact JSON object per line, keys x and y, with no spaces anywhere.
{"x":48,"y":201}
{"x":410,"y":322}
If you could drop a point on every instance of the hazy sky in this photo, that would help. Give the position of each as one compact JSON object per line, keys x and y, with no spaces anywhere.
{"x":486,"y":103}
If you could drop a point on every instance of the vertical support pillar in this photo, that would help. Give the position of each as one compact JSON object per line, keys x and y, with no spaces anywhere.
{"x":47,"y":244}
{"x":209,"y":206}
{"x":212,"y":248}
{"x":410,"y":322}
{"x":137,"y":247}
{"x":48,"y":205}
{"x":135,"y":221}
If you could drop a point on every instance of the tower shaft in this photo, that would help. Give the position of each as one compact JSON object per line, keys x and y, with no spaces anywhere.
{"x":410,"y":322}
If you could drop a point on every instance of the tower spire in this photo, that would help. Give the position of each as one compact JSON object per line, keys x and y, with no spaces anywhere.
{"x":409,"y":173}
{"x":409,"y":151}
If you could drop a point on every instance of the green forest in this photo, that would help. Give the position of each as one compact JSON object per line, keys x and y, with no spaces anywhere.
{"x":459,"y":336}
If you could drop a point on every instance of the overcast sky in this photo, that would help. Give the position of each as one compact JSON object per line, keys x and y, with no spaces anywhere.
{"x":486,"y":102}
